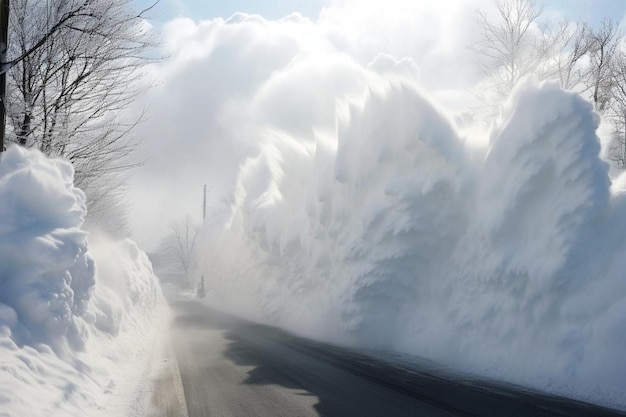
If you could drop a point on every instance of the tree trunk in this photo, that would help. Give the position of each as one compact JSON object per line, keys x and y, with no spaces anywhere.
{"x":624,"y":143}
{"x":24,"y":130}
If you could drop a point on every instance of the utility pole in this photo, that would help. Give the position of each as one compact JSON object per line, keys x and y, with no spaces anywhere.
{"x":204,"y":204}
{"x":4,"y":46}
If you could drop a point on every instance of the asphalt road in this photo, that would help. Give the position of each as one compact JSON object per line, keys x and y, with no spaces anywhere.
{"x":231,"y":367}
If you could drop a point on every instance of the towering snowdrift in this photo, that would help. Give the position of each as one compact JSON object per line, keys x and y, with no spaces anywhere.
{"x":63,"y":320}
{"x":389,"y":233}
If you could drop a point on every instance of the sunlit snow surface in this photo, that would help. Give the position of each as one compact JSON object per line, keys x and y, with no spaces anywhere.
{"x":77,"y":326}
{"x":389,"y":233}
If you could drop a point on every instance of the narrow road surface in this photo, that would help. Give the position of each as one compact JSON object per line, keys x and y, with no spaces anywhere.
{"x":230,"y":367}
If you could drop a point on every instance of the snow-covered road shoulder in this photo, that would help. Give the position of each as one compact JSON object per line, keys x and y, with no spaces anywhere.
{"x":79,"y":321}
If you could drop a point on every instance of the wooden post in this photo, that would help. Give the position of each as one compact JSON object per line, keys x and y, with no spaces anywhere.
{"x":4,"y":46}
{"x":204,"y":204}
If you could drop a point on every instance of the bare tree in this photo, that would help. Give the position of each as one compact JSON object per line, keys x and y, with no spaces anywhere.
{"x":514,"y":44}
{"x":617,"y":111}
{"x":179,"y":247}
{"x":109,"y":208}
{"x":602,"y":44}
{"x":77,"y":65}
{"x":583,"y":58}
{"x":568,"y":62}
{"x":616,"y":152}
{"x":508,"y":48}
{"x":605,"y":84}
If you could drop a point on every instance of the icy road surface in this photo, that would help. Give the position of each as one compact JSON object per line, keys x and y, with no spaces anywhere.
{"x":231,"y":367}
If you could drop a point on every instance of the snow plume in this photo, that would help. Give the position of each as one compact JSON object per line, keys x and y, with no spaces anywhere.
{"x":387,"y":233}
{"x":361,"y":215}
{"x":62,"y":319}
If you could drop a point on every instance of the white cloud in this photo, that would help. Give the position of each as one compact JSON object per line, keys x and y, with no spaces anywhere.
{"x":435,"y":34}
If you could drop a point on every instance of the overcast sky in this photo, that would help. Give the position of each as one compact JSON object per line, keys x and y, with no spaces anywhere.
{"x":226,"y":83}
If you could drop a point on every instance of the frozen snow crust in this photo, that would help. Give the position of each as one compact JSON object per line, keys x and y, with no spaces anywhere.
{"x":63,"y":321}
{"x":390,"y":233}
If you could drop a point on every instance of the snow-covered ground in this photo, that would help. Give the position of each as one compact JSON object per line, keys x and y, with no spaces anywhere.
{"x":80,"y":316}
{"x":505,"y":261}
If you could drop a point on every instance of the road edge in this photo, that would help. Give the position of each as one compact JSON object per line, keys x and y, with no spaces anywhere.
{"x":168,"y":398}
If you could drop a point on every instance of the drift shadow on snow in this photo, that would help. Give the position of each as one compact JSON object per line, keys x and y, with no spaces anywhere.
{"x":350,"y":383}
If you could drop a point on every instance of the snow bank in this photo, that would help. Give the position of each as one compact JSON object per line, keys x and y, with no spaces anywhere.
{"x":65,"y":315}
{"x":388,"y":232}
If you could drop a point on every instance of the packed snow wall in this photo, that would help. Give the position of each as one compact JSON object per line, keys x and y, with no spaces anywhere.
{"x":65,"y":315}
{"x":389,"y":232}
